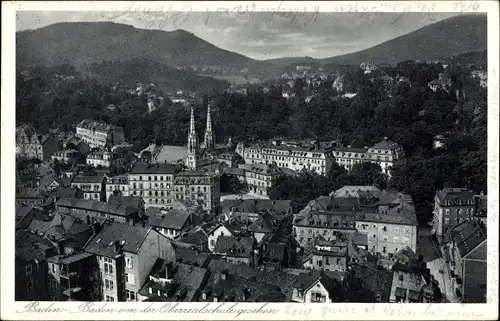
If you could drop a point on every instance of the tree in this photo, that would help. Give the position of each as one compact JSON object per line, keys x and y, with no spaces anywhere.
{"x":367,"y":174}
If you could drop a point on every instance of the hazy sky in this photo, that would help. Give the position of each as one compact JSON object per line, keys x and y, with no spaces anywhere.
{"x":260,"y":35}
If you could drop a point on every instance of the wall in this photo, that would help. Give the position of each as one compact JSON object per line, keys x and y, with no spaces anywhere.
{"x":394,"y":239}
{"x":212,"y":237}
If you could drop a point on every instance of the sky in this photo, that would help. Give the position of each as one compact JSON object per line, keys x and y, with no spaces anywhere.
{"x":260,"y":35}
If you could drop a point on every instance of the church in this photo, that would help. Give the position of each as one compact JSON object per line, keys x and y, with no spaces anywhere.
{"x":206,"y":157}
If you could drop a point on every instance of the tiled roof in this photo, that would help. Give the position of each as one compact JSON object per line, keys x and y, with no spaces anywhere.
{"x":187,"y":281}
{"x":97,"y":179}
{"x":129,"y":201}
{"x":158,"y":168}
{"x":468,"y":235}
{"x":306,"y":280}
{"x":234,"y":246}
{"x":31,"y":193}
{"x":354,"y":190}
{"x":96,"y":125}
{"x":103,"y":207}
{"x":234,"y":171}
{"x":263,"y":169}
{"x":40,"y":227}
{"x":30,"y":253}
{"x":242,"y":282}
{"x":385,"y":144}
{"x":257,"y":206}
{"x":197,"y":238}
{"x":193,"y":257}
{"x":453,"y":194}
{"x":173,"y":219}
{"x":25,"y":238}
{"x":133,"y":236}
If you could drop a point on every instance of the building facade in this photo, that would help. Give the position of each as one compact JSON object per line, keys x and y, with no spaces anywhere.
{"x":92,"y":186}
{"x":105,"y":158}
{"x":117,"y":186}
{"x":451,"y":206}
{"x":153,"y":182}
{"x":203,"y":187}
{"x":28,"y":143}
{"x":98,"y":134}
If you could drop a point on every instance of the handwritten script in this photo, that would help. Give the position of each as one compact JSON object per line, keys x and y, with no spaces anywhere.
{"x":163,"y":16}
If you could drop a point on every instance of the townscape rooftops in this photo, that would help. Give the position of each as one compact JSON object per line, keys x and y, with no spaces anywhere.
{"x":264,"y":169}
{"x":173,"y":219}
{"x":184,"y":285}
{"x":130,"y":237}
{"x":385,"y":144}
{"x":103,"y":207}
{"x":156,"y":168}
{"x":375,"y":280}
{"x":306,"y":280}
{"x":354,"y":190}
{"x":193,"y":257}
{"x":30,"y":253}
{"x":453,"y":194}
{"x":234,"y":246}
{"x":31,"y":193}
{"x":128,"y":201}
{"x":257,"y":206}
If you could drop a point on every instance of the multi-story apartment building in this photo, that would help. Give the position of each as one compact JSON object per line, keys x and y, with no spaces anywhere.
{"x":117,"y":186}
{"x":92,"y":186}
{"x":203,"y":187}
{"x":385,"y":153}
{"x":153,"y":182}
{"x":64,"y":155}
{"x":260,"y":177}
{"x":387,"y":219}
{"x":390,"y":223}
{"x":105,"y":158}
{"x":125,"y":256}
{"x":451,"y":206}
{"x":98,"y":134}
{"x":315,"y":157}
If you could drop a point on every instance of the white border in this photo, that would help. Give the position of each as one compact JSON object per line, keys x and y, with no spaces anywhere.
{"x":353,"y":311}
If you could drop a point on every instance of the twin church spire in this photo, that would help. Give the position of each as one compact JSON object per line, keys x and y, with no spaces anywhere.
{"x":193,"y":143}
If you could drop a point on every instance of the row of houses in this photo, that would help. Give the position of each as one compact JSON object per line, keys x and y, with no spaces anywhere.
{"x":320,"y":158}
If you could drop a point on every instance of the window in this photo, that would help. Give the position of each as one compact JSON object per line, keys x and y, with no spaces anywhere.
{"x":130,"y":278}
{"x":110,"y":298}
{"x":29,"y":270}
{"x":385,"y":228}
{"x":29,"y":286}
{"x":109,"y":285}
{"x":384,"y":249}
{"x":338,"y":261}
{"x":320,"y":263}
{"x":53,"y":268}
{"x":108,"y":266}
{"x":130,"y":295}
{"x":374,"y":236}
{"x":401,"y":277}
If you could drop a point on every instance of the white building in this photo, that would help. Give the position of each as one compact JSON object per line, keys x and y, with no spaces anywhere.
{"x":98,"y":134}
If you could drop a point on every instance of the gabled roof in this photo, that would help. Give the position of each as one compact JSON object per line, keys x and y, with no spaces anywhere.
{"x":193,"y":257}
{"x":173,"y":219}
{"x":97,"y":179}
{"x":133,"y":237}
{"x":129,"y":201}
{"x":234,"y":246}
{"x":452,"y":194}
{"x":468,"y":235}
{"x":158,"y":168}
{"x":256,"y":206}
{"x":307,"y":280}
{"x":385,"y":145}
{"x":103,"y":207}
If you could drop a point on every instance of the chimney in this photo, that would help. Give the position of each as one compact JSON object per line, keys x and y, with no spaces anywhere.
{"x":169,"y":271}
{"x":143,"y":223}
{"x":224,"y":274}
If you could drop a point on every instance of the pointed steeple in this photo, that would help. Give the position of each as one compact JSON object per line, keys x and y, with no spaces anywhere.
{"x":209,"y":136}
{"x":193,"y":145}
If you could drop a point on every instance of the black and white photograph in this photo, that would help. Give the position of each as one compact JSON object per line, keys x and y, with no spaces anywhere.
{"x":244,"y":156}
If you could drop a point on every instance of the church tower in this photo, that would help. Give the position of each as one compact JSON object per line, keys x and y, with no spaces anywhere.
{"x":209,"y":136}
{"x":193,"y":145}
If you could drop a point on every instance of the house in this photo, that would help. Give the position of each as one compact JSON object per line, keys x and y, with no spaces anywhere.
{"x":173,"y":282}
{"x":117,"y":186}
{"x":481,"y":207}
{"x":316,"y":287}
{"x":238,"y":250}
{"x":327,"y":255}
{"x":260,"y":177}
{"x":26,"y":214}
{"x":443,"y":83}
{"x":356,"y":191}
{"x":31,"y":145}
{"x":172,"y":222}
{"x":70,"y":270}
{"x":30,"y":196}
{"x":99,"y":134}
{"x":92,"y":186}
{"x":105,"y":158}
{"x":410,"y":275}
{"x":252,"y":209}
{"x":125,"y":256}
{"x":466,"y":254}
{"x":196,"y":238}
{"x":65,"y":156}
{"x":202,"y":187}
{"x":30,"y":268}
{"x":228,"y":228}
{"x":89,"y":209}
{"x":451,"y":206}
{"x":153,"y":182}
{"x":129,"y":201}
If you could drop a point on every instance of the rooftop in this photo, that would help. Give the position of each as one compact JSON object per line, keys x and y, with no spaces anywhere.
{"x":234,"y":246}
{"x":156,"y":168}
{"x":129,"y":237}
{"x":173,"y":219}
{"x":257,"y":206}
{"x":96,"y":125}
{"x":454,"y":194}
{"x":468,"y":235}
{"x":97,"y":178}
{"x":103,"y":207}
